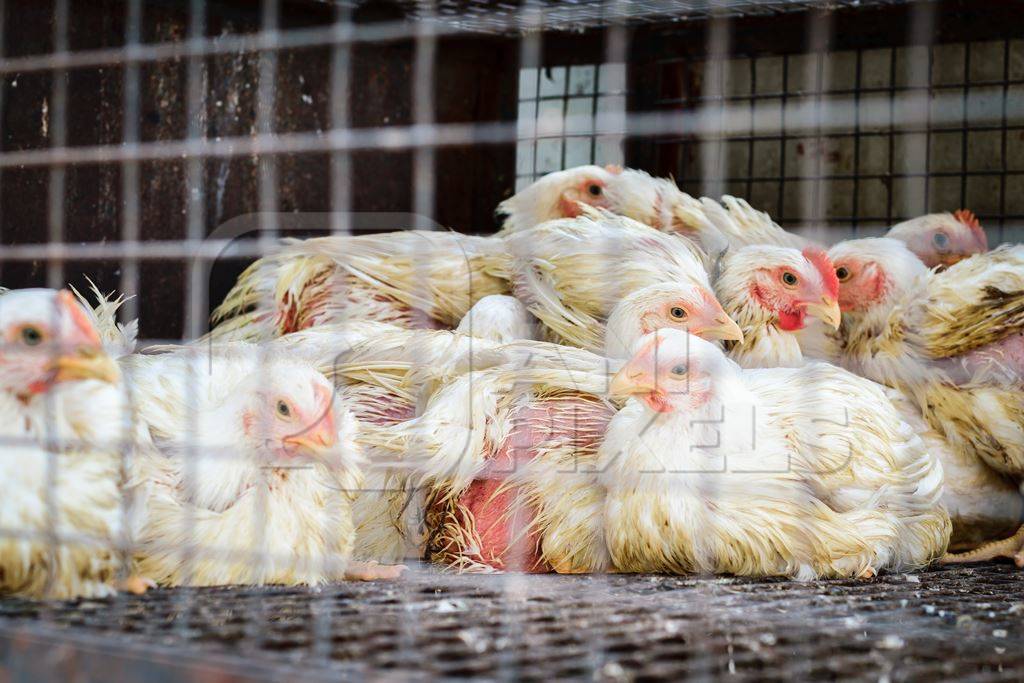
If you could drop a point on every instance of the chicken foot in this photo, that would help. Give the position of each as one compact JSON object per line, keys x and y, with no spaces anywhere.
{"x":373,"y":571}
{"x":1012,"y":547}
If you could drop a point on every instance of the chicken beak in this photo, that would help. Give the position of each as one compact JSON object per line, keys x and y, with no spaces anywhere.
{"x":951,"y":258}
{"x":630,"y":381}
{"x":827,"y":310}
{"x":85,"y":363}
{"x":724,"y":328}
{"x":318,"y":439}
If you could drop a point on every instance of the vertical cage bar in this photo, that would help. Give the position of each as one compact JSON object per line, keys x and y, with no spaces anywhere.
{"x":780,"y":206}
{"x":57,"y":128}
{"x":265,"y":107}
{"x":857,"y":138}
{"x":891,"y":139}
{"x":711,"y":144}
{"x":922,"y":32}
{"x":753,"y":117}
{"x":57,"y":124}
{"x":1003,"y":122}
{"x":965,"y":124}
{"x":195,"y":75}
{"x":3,"y":92}
{"x":130,"y":169}
{"x":341,"y":161}
{"x":424,"y":62}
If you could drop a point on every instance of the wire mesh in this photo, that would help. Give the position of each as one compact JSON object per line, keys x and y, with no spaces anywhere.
{"x":131,"y":140}
{"x":571,"y":628}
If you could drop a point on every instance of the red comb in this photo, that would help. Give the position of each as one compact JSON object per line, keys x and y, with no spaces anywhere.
{"x":824,"y":265}
{"x":968,"y":218}
{"x":614,"y":169}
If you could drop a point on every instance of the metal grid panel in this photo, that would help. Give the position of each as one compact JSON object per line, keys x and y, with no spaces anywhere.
{"x":611,"y":627}
{"x":559,"y":108}
{"x":574,"y":15}
{"x":963,"y":623}
{"x":930,"y":131}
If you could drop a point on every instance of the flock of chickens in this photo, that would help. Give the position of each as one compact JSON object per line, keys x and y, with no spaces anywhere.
{"x":625,"y":378}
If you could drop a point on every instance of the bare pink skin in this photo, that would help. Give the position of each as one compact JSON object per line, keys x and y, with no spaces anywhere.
{"x":506,"y":541}
{"x":1005,"y":357}
{"x":788,"y":301}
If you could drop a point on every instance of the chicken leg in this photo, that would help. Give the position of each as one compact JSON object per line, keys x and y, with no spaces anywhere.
{"x":1012,"y":547}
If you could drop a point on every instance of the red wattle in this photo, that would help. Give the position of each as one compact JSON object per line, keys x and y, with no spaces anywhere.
{"x":791,"y":320}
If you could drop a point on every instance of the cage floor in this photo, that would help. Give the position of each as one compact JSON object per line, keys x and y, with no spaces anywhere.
{"x":966,"y":622}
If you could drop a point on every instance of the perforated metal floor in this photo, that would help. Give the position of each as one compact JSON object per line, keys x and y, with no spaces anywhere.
{"x":965,"y":622}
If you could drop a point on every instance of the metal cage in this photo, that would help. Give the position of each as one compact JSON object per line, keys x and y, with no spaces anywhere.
{"x":134,"y":132}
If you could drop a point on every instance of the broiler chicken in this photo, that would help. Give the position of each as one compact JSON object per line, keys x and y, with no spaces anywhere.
{"x":61,"y":406}
{"x":568,"y":273}
{"x":656,"y":202}
{"x":937,"y":239}
{"x":942,"y":239}
{"x":769,"y":291}
{"x":386,"y":375}
{"x":717,"y":469}
{"x":951,"y":342}
{"x":251,"y":470}
{"x":413,"y":278}
{"x":571,"y":273}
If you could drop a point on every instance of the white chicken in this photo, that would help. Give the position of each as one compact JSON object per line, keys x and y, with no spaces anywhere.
{"x":561,"y":270}
{"x":717,"y":469}
{"x":656,"y":202}
{"x":386,"y":375}
{"x":412,"y":278}
{"x":252,"y":470}
{"x":512,"y":461}
{"x":499,"y":318}
{"x":942,"y":239}
{"x":769,"y":291}
{"x":571,"y":273}
{"x":952,"y":343}
{"x":61,"y":433}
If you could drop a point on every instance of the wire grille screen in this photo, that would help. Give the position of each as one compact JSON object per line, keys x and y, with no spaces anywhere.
{"x":924,"y":130}
{"x":568,"y":102}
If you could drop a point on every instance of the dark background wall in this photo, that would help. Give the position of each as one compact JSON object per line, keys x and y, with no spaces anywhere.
{"x":469,"y":181}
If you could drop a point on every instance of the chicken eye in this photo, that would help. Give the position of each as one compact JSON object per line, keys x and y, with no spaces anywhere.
{"x":283,"y":410}
{"x":594,"y":189}
{"x":842,"y":273}
{"x":31,"y":335}
{"x":678,"y":313}
{"x":679,"y":370}
{"x":941,"y":240}
{"x":789,"y":279}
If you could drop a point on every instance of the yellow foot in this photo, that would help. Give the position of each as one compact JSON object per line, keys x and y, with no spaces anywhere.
{"x":136,"y":585}
{"x":373,"y":571}
{"x":868,"y":573}
{"x":1012,"y":547}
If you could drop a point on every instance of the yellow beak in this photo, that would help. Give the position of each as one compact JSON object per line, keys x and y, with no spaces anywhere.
{"x":630,"y":381}
{"x":725,"y":328}
{"x":319,"y":440}
{"x":827,"y":310}
{"x":86,"y":363}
